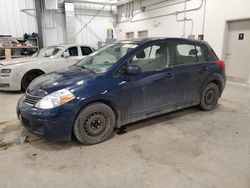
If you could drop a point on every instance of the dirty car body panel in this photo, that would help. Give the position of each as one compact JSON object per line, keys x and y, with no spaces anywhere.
{"x":153,"y":92}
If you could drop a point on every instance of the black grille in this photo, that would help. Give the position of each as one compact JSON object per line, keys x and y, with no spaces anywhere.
{"x":4,"y":85}
{"x":25,"y":122}
{"x":32,"y":100}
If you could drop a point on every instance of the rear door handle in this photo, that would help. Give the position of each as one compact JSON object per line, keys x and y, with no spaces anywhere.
{"x":203,"y":69}
{"x":169,"y":75}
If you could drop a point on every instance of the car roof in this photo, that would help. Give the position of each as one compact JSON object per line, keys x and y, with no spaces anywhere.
{"x":140,"y":41}
{"x":71,"y":45}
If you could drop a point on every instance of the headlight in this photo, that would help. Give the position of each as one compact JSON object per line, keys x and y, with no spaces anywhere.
{"x":6,"y":71}
{"x":55,"y":99}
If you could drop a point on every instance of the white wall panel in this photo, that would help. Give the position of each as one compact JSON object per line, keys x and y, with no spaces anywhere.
{"x":94,"y":32}
{"x":53,"y":28}
{"x":15,"y":22}
{"x":96,"y":29}
{"x":167,"y":25}
{"x":217,"y":13}
{"x":54,"y":25}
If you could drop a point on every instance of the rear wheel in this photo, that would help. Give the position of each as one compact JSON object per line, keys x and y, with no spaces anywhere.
{"x":94,"y":124}
{"x":210,"y":96}
{"x":29,"y":77}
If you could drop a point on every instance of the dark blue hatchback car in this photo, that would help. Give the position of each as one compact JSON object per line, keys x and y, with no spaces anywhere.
{"x":122,"y":83}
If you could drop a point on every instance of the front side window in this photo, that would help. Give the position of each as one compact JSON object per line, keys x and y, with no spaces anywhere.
{"x":50,"y":51}
{"x":104,"y":58}
{"x":154,"y":57}
{"x":188,"y":54}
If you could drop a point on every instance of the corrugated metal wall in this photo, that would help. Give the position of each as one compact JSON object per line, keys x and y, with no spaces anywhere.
{"x":16,"y":22}
{"x":53,"y":28}
{"x":97,"y":28}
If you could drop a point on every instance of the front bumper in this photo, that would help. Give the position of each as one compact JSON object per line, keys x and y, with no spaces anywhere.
{"x":8,"y":84}
{"x":53,"y":123}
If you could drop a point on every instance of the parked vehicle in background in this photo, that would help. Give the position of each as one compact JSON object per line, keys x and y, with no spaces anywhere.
{"x":16,"y":74}
{"x":120,"y":84}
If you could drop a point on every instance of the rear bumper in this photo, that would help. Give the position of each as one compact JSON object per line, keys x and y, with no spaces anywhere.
{"x":53,"y":123}
{"x":223,"y":82}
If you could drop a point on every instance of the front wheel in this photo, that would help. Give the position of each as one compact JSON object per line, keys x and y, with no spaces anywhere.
{"x":210,"y":97}
{"x":28,"y":78}
{"x":94,"y":124}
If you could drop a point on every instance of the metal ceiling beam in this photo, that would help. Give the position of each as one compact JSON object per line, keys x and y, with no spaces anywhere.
{"x":111,"y":3}
{"x":122,"y":2}
{"x":91,"y":2}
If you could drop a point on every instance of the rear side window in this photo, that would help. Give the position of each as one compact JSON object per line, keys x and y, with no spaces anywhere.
{"x":73,"y":51}
{"x":189,"y":54}
{"x":86,"y":50}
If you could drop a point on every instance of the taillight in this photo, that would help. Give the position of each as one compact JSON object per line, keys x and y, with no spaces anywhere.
{"x":220,"y":63}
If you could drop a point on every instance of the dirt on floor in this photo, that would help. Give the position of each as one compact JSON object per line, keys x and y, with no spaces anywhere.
{"x":12,"y":133}
{"x":187,"y":148}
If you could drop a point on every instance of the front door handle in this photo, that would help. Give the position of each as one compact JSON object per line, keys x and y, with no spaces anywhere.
{"x":203,"y":69}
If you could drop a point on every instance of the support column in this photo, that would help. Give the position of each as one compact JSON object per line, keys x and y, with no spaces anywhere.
{"x":38,"y":5}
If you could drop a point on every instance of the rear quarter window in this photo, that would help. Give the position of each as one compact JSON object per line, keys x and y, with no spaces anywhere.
{"x":210,"y":54}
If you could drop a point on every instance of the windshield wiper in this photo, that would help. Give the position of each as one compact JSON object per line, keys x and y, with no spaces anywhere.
{"x":85,"y":68}
{"x":89,"y":69}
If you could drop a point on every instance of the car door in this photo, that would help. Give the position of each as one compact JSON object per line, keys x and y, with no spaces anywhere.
{"x":190,"y":70}
{"x":153,"y":90}
{"x":56,"y":61}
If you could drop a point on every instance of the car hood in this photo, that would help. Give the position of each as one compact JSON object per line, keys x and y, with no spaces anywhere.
{"x":21,"y":60}
{"x":64,"y":78}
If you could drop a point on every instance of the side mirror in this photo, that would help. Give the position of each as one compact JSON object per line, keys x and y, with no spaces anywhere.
{"x":133,"y":70}
{"x":65,"y":54}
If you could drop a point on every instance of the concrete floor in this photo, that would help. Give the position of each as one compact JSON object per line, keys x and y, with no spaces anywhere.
{"x":8,"y":101}
{"x":188,"y":148}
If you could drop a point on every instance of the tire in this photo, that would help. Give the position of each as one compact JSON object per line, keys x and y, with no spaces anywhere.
{"x":94,"y":124}
{"x":28,"y":78}
{"x":210,"y":97}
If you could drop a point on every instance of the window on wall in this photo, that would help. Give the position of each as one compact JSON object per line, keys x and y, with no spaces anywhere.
{"x":130,"y":35}
{"x":189,"y":53}
{"x":142,"y":34}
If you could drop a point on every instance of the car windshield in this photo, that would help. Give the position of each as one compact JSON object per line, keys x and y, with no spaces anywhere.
{"x":104,"y":58}
{"x":50,"y":51}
